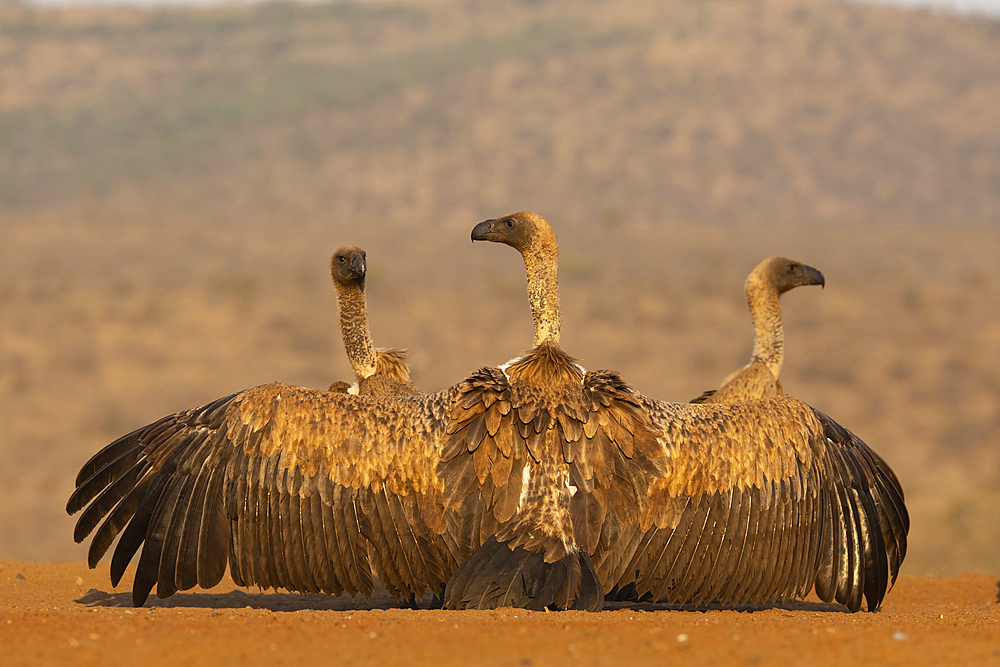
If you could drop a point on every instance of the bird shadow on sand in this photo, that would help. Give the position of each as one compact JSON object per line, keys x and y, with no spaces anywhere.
{"x":787,"y":605}
{"x":242,"y":599}
{"x":286,"y":602}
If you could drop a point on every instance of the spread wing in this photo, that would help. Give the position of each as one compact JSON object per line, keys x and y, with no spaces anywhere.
{"x":759,"y":501}
{"x":288,"y":485}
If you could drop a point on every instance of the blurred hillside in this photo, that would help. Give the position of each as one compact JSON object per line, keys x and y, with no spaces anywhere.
{"x":173,"y":182}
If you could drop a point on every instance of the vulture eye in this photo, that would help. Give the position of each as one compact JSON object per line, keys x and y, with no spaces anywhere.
{"x":341,"y":259}
{"x":510,"y":224}
{"x":791,"y":268}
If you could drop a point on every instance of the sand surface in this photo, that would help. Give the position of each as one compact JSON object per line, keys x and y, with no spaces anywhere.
{"x":63,"y":613}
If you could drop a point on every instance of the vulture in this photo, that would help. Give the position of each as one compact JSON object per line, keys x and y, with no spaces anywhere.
{"x":535,"y":484}
{"x":765,"y":284}
{"x":379,"y":372}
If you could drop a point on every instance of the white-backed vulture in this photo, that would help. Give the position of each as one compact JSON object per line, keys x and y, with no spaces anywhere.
{"x":764,"y":287}
{"x":549,"y":486}
{"x":379,"y":372}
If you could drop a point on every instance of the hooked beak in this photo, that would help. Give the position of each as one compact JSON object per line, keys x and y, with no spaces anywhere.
{"x":815,"y":277}
{"x":483,"y":230}
{"x":358,"y":265}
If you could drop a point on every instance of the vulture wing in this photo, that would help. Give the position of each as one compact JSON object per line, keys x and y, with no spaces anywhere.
{"x":287,"y":484}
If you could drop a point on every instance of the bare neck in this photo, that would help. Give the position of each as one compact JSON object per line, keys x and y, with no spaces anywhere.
{"x":769,"y":337}
{"x":354,"y":328}
{"x":541,"y":263}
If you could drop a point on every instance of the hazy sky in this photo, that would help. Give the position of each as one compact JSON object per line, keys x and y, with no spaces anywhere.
{"x":983,"y":6}
{"x":991,"y":7}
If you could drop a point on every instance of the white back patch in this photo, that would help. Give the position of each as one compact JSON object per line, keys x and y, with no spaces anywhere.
{"x":525,"y":478}
{"x":507,"y":364}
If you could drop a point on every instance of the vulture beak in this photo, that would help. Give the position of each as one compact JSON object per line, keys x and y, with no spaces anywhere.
{"x":483,"y":230}
{"x":815,"y":277}
{"x":358,"y":264}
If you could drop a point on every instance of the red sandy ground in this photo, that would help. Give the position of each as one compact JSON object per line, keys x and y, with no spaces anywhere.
{"x":63,"y":613}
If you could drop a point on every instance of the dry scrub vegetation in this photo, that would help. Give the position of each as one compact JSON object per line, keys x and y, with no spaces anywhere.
{"x":173,"y":182}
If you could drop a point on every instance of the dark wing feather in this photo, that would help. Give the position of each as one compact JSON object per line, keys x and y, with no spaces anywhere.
{"x":706,"y":551}
{"x":587,"y":511}
{"x":756,"y":590}
{"x":728,"y":570}
{"x":829,"y":547}
{"x":115,"y":477}
{"x":798,"y":517}
{"x":886,"y":492}
{"x":186,"y":557}
{"x":677,"y":579}
{"x":268,"y":567}
{"x":130,"y":491}
{"x":291,"y":533}
{"x":213,"y":533}
{"x":776,"y":584}
{"x":704,"y":397}
{"x":135,"y":531}
{"x":748,"y":574}
{"x":662,"y":552}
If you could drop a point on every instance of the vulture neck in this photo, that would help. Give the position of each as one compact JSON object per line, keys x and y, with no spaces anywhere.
{"x":354,"y":327}
{"x":541,"y":263}
{"x":769,"y":337}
